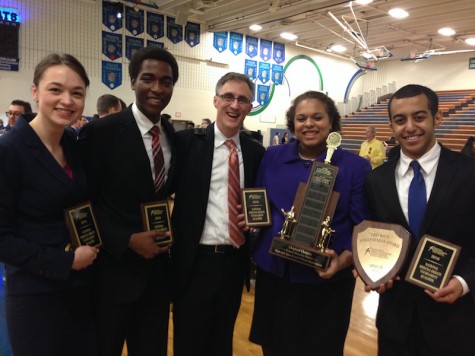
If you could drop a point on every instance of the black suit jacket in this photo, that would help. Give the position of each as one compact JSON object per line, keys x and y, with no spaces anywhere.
{"x":193,"y":175}
{"x":450,"y":216}
{"x":120,"y":179}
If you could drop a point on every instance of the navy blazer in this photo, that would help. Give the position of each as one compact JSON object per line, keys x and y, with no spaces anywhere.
{"x":35,"y":192}
{"x":450,"y":215}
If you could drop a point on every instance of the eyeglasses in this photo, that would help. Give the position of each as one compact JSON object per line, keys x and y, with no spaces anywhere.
{"x":228,"y":98}
{"x":13,"y":113}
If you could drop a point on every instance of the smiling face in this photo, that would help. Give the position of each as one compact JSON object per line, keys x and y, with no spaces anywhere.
{"x":414,"y":125}
{"x":60,"y":95}
{"x":153,"y":88}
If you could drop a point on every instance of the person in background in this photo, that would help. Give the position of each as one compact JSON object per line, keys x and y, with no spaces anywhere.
{"x":129,"y":160}
{"x":108,"y":104}
{"x":210,"y":255}
{"x":285,"y":139}
{"x":299,"y":310}
{"x":48,"y":285}
{"x":410,"y":319}
{"x":372,"y":149}
{"x":190,"y":125}
{"x":16,"y":108}
{"x":469,"y":147}
{"x":205,"y":122}
{"x":276,"y":141}
{"x":1,"y":125}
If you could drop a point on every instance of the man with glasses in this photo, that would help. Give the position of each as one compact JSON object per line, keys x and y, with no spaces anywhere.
{"x":210,"y":255}
{"x":16,"y":108}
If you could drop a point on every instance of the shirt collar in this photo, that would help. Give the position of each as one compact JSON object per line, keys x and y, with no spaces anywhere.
{"x":143,"y":122}
{"x":428,"y":161}
{"x":219,"y":138}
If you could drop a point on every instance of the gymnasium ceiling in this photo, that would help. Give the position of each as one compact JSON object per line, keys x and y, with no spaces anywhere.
{"x":311,"y":21}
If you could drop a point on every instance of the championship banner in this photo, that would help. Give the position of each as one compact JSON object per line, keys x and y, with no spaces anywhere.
{"x":174,"y":31}
{"x":265,"y":50}
{"x":109,"y":15}
{"x":252,"y":43}
{"x":111,"y":74}
{"x":264,"y":72}
{"x":235,"y":45}
{"x":277,"y":74}
{"x":220,"y":41}
{"x":279,"y":52}
{"x":192,"y":33}
{"x":250,"y":69}
{"x":134,"y":20}
{"x":111,"y":45}
{"x":155,"y":25}
{"x":132,"y":45}
{"x":151,"y":43}
{"x":262,"y":94}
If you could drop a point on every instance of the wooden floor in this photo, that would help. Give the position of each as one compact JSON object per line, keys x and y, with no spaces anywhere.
{"x":361,"y":339}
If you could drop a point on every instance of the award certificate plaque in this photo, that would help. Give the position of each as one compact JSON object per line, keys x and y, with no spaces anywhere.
{"x":433,"y":263}
{"x":156,"y":217}
{"x":256,"y":207}
{"x":82,"y":226}
{"x":379,"y":251}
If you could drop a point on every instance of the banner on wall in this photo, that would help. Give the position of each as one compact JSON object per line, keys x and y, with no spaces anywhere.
{"x":174,"y":30}
{"x":279,"y":52}
{"x":111,"y":74}
{"x":277,"y":74}
{"x":220,"y":41}
{"x":155,"y":25}
{"x":250,"y":68}
{"x":192,"y":33}
{"x":132,"y":45}
{"x":262,"y":94}
{"x":265,"y":49}
{"x":155,"y":44}
{"x":109,"y":15}
{"x":134,"y":20}
{"x":111,"y":45}
{"x":235,"y":44}
{"x":252,"y":44}
{"x":264,"y":72}
{"x":149,"y":3}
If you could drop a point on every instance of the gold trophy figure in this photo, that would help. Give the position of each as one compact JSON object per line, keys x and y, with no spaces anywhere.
{"x":324,"y":239}
{"x":288,"y":223}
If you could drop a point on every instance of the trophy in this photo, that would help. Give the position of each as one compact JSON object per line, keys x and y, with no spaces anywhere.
{"x":307,"y":231}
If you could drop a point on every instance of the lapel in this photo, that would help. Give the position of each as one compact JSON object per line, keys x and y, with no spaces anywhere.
{"x":247,"y":157}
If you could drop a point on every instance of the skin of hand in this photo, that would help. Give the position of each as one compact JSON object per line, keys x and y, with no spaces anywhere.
{"x":449,"y":294}
{"x":382,"y":288}
{"x":83,"y":257}
{"x":242,"y":220}
{"x":337,"y":263}
{"x":144,"y":243}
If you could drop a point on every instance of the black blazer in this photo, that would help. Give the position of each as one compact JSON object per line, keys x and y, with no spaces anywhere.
{"x":193,"y":175}
{"x":120,"y":179}
{"x":450,"y":216}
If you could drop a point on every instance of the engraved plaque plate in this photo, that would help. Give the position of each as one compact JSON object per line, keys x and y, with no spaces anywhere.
{"x":82,"y":226}
{"x":156,"y":216}
{"x":256,"y":207}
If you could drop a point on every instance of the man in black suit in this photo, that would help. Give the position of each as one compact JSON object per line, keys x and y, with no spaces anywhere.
{"x":410,"y":320}
{"x":209,"y":267}
{"x":132,"y":271}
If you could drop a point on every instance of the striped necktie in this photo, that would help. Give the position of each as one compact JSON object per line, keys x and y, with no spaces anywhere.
{"x":417,"y":199}
{"x":158,"y":160}
{"x":234,"y":194}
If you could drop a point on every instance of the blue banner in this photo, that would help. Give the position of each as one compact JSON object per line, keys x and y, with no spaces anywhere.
{"x":192,"y":33}
{"x":155,"y":25}
{"x":252,"y":43}
{"x":109,"y":15}
{"x":9,"y":64}
{"x":235,"y":44}
{"x":266,"y":49}
{"x":174,"y":31}
{"x":277,"y":74}
{"x":132,"y":45}
{"x":111,"y":74}
{"x":279,"y":52}
{"x":262,"y":94}
{"x":220,"y":41}
{"x":111,"y":45}
{"x":151,"y":43}
{"x":250,"y":69}
{"x":264,"y":72}
{"x":134,"y":20}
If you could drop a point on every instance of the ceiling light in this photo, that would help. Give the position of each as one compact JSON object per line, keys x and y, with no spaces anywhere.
{"x":398,"y":13}
{"x":446,"y":31}
{"x":470,"y":41}
{"x":338,"y":48}
{"x":364,"y":2}
{"x":288,"y":36}
{"x":255,"y":27}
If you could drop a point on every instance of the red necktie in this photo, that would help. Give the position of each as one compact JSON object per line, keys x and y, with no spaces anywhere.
{"x":234,"y":195}
{"x":158,"y":160}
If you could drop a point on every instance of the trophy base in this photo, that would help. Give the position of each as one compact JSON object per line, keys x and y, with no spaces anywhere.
{"x":299,"y":253}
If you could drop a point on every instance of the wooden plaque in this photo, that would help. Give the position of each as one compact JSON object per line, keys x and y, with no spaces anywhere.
{"x":256,"y":207}
{"x":156,"y":216}
{"x":82,"y":226}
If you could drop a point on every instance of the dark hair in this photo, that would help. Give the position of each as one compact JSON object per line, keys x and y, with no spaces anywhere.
{"x":469,"y":142}
{"x":106,"y":102}
{"x":332,"y":111}
{"x":237,"y":77}
{"x":25,"y":104}
{"x":157,"y":53}
{"x":55,"y":59}
{"x":123,"y":105}
{"x":412,"y":90}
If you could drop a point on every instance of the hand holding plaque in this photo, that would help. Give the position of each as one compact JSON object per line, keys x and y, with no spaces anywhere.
{"x":81,"y":223}
{"x":156,"y":216}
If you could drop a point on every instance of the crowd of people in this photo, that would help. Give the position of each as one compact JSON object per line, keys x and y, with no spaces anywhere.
{"x":90,"y":301}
